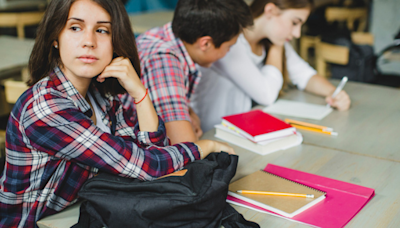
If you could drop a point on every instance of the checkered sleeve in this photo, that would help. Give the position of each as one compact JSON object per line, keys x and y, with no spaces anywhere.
{"x":157,"y":138}
{"x":165,"y":78}
{"x":65,"y":132}
{"x":144,"y":139}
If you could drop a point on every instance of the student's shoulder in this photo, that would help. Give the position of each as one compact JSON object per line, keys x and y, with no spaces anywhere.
{"x":154,"y":43}
{"x":42,"y":96}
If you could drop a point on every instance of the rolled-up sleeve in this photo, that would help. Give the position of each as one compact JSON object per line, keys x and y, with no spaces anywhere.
{"x":157,"y":138}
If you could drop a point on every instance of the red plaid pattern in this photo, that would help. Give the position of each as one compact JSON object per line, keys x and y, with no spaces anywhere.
{"x":168,"y":72}
{"x":53,"y":147}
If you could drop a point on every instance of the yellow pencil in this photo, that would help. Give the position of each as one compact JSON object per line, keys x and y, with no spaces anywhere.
{"x":275,"y":193}
{"x":290,"y":121}
{"x":314,"y":130}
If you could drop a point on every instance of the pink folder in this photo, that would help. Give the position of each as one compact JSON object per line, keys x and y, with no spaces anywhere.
{"x":343,"y":200}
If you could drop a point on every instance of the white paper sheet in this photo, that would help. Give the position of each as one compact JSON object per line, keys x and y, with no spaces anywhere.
{"x":298,"y":109}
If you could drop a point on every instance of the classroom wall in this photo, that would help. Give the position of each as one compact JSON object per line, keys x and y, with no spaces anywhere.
{"x":385,"y":22}
{"x":135,"y":6}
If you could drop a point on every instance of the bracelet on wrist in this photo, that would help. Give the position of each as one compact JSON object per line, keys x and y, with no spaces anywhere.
{"x":200,"y":151}
{"x":143,"y":97}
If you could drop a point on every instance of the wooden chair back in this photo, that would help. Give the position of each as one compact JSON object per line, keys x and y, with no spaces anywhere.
{"x":330,"y":53}
{"x":341,"y":14}
{"x":348,"y":15}
{"x":20,"y":20}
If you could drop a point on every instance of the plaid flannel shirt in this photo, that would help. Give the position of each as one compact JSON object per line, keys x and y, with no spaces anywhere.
{"x":168,"y":72}
{"x":53,"y":147}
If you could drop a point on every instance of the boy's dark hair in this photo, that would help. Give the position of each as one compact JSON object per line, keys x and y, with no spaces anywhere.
{"x":219,"y":19}
{"x":45,"y":57}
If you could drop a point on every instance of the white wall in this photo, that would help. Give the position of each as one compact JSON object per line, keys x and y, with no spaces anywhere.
{"x":385,"y":22}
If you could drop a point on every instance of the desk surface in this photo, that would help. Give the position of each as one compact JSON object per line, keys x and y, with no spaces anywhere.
{"x":382,"y":211}
{"x":144,"y":21}
{"x":370,"y":127}
{"x":14,"y":53}
{"x":341,"y":158}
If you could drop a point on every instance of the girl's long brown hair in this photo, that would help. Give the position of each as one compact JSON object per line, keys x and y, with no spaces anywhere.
{"x":257,"y":9}
{"x":45,"y":57}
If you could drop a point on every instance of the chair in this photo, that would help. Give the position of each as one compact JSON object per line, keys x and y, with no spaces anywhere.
{"x":2,"y":144}
{"x":20,"y":20}
{"x":336,"y":54}
{"x":349,"y":16}
{"x":329,"y":53}
{"x":13,"y":89}
{"x":332,"y":14}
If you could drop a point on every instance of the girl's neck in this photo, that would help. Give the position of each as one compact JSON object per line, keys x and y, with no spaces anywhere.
{"x":80,"y":83}
{"x":82,"y":86}
{"x":254,"y":35}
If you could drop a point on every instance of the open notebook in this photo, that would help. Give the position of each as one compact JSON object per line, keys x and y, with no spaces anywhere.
{"x":288,"y":206}
{"x":298,"y":109}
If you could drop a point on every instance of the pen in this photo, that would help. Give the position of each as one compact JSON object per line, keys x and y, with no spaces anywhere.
{"x":314,"y":129}
{"x":290,"y":121}
{"x":275,"y":193}
{"x":339,"y":88}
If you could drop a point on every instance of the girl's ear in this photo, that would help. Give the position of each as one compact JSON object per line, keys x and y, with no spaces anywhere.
{"x":55,"y":44}
{"x":270,"y":10}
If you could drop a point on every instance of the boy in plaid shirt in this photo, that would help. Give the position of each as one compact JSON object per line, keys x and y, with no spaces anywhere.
{"x":201,"y":33}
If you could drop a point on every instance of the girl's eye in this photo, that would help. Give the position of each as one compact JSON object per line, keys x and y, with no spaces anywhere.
{"x":295,"y":23}
{"x":75,"y":28}
{"x":103,"y":31}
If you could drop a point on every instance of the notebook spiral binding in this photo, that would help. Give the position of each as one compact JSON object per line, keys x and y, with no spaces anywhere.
{"x":295,"y":182}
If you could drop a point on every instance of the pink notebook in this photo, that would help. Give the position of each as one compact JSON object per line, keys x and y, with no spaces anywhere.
{"x":343,"y":200}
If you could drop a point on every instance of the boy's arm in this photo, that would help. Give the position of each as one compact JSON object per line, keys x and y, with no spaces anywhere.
{"x":180,"y":131}
{"x":165,"y":78}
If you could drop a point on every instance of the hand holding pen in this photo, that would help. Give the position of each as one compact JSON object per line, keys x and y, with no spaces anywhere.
{"x":339,"y":99}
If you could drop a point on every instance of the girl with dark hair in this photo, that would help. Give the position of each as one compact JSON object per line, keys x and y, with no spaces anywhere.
{"x":70,"y":124}
{"x":260,"y":65}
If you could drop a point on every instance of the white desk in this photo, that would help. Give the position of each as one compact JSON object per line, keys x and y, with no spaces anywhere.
{"x":370,"y":127}
{"x":67,"y":218}
{"x":14,"y":54}
{"x":358,"y":155}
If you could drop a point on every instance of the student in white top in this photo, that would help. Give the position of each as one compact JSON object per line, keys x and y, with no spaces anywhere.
{"x":260,"y":64}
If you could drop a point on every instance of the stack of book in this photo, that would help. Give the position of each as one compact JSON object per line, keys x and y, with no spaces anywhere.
{"x":258,"y":131}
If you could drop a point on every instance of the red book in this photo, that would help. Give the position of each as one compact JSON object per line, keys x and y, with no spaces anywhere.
{"x":257,"y":125}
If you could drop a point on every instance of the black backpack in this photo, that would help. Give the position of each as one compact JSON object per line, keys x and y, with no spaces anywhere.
{"x":196,"y":199}
{"x":362,"y":60}
{"x":363,"y":65}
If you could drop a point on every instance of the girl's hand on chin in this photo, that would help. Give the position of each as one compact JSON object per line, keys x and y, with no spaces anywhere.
{"x":121,"y":68}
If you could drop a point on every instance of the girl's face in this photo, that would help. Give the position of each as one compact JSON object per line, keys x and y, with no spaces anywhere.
{"x":284,"y":25}
{"x":85,"y":43}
